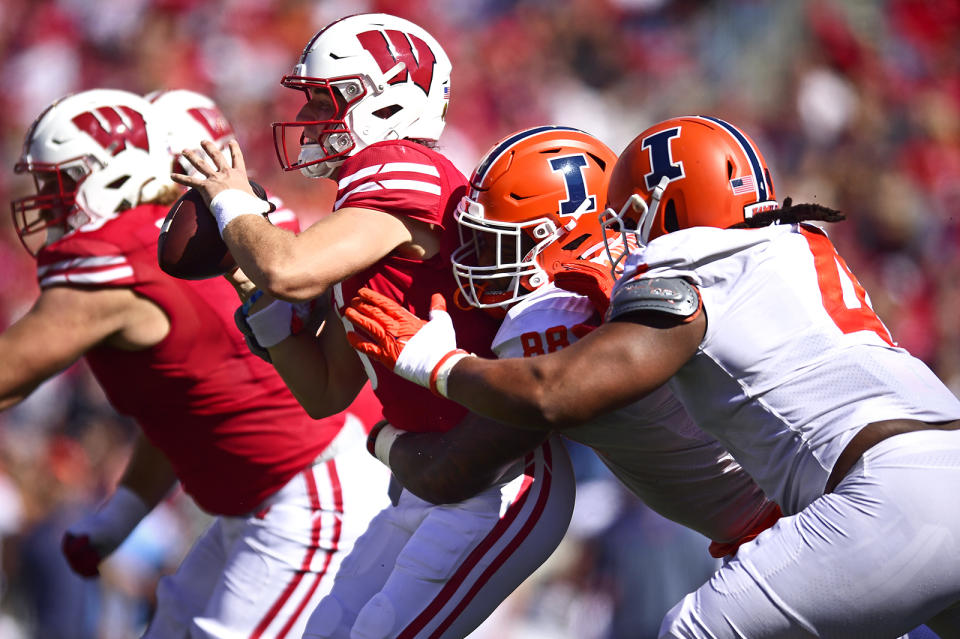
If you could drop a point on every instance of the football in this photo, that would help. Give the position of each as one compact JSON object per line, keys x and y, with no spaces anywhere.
{"x":189,"y":246}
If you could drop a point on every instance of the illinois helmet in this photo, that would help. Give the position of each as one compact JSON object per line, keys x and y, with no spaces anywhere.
{"x":688,"y":171}
{"x":387,"y":77}
{"x":533,"y":203}
{"x":92,"y":155}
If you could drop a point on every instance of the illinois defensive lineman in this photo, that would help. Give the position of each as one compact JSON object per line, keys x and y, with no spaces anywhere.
{"x":376,"y":89}
{"x":533,"y":208}
{"x":770,"y":343}
{"x":290,"y":493}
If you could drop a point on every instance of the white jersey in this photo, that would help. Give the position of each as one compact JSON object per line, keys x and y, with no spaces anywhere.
{"x":794,"y":361}
{"x":652,"y":446}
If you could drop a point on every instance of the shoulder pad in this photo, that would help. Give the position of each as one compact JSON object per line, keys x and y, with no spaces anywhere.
{"x":671,"y":295}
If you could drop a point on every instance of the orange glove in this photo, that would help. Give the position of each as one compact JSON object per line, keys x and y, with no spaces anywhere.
{"x":590,"y":279}
{"x":422,"y":352}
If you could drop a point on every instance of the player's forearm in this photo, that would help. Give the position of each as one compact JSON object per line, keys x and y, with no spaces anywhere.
{"x":267,"y":256}
{"x":29,"y":359}
{"x":323,"y":386}
{"x":149,"y":473}
{"x":513,"y":391}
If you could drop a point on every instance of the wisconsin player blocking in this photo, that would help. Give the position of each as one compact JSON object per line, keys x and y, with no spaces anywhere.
{"x":757,"y":324}
{"x":531,"y":216}
{"x":376,"y":89}
{"x":290,"y":494}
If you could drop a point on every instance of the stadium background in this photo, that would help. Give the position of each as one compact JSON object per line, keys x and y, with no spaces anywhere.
{"x":856,"y":104}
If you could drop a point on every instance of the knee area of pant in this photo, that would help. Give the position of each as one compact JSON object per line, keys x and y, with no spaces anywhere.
{"x":376,"y":620}
{"x":327,"y":621}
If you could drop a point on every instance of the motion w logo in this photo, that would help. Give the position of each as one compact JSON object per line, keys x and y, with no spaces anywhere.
{"x":396,"y":47}
{"x":211,"y":120}
{"x":114,"y":127}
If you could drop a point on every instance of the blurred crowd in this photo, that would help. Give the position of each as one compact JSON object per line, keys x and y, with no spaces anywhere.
{"x":856,"y":104}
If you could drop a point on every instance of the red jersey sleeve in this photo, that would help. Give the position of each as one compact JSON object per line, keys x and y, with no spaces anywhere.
{"x":84,"y":261}
{"x":398,"y":177}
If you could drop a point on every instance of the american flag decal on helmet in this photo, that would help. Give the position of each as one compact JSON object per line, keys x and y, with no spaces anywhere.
{"x":741,"y":185}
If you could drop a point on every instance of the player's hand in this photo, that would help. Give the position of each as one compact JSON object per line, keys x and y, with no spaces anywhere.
{"x":590,"y":279}
{"x":240,"y":283}
{"x":240,"y":319}
{"x":83,"y":558}
{"x":215,"y":173}
{"x":409,"y":346}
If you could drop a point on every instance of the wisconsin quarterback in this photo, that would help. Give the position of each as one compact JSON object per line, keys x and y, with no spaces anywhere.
{"x":376,"y":90}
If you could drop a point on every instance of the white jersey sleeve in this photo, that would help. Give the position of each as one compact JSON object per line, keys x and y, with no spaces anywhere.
{"x":652,"y":446}
{"x":794,"y":360}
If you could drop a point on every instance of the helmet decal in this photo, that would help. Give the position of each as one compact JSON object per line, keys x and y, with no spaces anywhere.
{"x":212,"y":120}
{"x":114,"y":127}
{"x":578,"y":200}
{"x":415,"y":54}
{"x":494,"y":154}
{"x":759,"y":177}
{"x":661,"y":160}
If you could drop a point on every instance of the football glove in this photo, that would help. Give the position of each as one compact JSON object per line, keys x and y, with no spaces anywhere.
{"x":421,"y":351}
{"x":590,"y":279}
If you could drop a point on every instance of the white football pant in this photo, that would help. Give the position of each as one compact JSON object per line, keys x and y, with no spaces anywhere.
{"x":872,"y":560}
{"x":262,"y":575}
{"x":423,"y":570}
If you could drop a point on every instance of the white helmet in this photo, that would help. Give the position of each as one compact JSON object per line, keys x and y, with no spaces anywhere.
{"x":390,"y":78}
{"x":191,"y":118}
{"x":92,"y":155}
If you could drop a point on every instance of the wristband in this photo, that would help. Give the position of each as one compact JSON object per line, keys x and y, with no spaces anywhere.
{"x":383,"y":439}
{"x":232,"y":203}
{"x":271,"y":324}
{"x":245,"y":307}
{"x":441,"y":372}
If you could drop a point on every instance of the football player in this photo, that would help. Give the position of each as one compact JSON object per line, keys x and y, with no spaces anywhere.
{"x":375,"y":91}
{"x":289,"y":494}
{"x":751,"y":317}
{"x":533,"y":207}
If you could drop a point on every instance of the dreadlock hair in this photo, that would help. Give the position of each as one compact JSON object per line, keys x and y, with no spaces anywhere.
{"x":791,"y":213}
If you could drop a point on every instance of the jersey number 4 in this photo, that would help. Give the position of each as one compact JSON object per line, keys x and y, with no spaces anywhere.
{"x":844,"y":299}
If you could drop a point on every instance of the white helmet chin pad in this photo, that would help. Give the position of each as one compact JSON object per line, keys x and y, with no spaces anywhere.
{"x":312,"y":153}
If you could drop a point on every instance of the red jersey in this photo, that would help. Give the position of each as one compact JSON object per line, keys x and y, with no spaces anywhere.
{"x":407,"y":179}
{"x":231,"y":429}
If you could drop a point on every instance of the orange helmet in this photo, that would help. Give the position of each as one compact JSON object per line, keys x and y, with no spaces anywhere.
{"x":534,"y":203}
{"x":688,"y":171}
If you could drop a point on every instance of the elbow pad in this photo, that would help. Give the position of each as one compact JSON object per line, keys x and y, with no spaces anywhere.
{"x":673,"y":296}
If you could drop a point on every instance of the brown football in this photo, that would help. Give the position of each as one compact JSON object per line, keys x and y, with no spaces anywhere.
{"x":189,"y":246}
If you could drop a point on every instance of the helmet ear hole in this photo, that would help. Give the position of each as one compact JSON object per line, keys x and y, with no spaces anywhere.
{"x":729,"y":169}
{"x":386,"y":112}
{"x":670,"y":222}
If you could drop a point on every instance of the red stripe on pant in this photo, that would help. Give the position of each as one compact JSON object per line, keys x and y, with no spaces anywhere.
{"x":308,"y":558}
{"x":498,"y":531}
